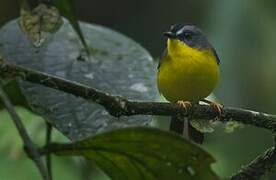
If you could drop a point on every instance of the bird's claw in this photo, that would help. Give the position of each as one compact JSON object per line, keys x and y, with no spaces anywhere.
{"x":218,"y":108}
{"x":184,"y":104}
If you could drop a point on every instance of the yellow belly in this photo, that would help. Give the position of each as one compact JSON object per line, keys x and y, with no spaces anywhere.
{"x":188,"y":77}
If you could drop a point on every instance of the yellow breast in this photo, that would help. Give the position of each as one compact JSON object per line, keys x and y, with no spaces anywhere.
{"x":187,"y":73}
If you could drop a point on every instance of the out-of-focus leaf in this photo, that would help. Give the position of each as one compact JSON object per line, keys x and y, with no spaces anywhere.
{"x":66,"y":8}
{"x":39,"y":23}
{"x":119,"y":66}
{"x":11,"y":142}
{"x":231,"y":126}
{"x":13,"y":156}
{"x":144,"y":153}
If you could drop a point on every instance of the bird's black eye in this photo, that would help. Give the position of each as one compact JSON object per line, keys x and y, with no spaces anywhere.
{"x":188,"y":36}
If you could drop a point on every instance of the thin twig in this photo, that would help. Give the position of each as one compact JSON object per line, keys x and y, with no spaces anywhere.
{"x":119,"y":106}
{"x":29,"y":147}
{"x":48,"y":156}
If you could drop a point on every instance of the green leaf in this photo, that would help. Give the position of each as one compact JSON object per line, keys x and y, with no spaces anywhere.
{"x":119,"y":66}
{"x":66,"y":8}
{"x":143,"y":153}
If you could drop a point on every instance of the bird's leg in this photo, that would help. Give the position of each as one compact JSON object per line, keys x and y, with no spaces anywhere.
{"x":216,"y":106}
{"x":186,"y":105}
{"x":180,"y":125}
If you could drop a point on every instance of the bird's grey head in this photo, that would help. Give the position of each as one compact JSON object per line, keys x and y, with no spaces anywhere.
{"x":190,"y":35}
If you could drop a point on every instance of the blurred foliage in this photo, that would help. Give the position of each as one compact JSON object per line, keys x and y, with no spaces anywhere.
{"x":241,"y":32}
{"x":13,"y":157}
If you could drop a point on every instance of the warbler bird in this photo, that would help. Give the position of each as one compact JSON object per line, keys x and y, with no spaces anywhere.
{"x":188,"y":72}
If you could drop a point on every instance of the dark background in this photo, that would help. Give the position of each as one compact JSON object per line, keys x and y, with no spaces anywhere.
{"x":242,"y":31}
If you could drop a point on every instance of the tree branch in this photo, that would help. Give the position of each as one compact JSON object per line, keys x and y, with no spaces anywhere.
{"x":119,"y":106}
{"x":258,"y":167}
{"x":48,"y":158}
{"x":29,"y":147}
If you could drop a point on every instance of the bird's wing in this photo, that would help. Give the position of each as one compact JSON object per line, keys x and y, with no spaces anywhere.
{"x":161,"y":58}
{"x":216,"y":55}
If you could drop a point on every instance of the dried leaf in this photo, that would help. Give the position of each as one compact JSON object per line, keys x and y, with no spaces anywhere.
{"x":39,"y":23}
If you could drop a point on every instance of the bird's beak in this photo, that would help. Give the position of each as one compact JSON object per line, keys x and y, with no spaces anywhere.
{"x":170,"y":35}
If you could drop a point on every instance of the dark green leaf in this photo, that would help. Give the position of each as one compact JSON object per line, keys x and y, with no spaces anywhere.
{"x":144,"y":153}
{"x":119,"y":66}
{"x":66,"y":8}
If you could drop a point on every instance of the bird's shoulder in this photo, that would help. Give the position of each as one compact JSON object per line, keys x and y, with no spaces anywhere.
{"x":162,"y":57}
{"x":216,"y":55}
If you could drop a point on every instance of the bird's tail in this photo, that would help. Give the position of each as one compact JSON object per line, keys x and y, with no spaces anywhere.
{"x":183,"y":127}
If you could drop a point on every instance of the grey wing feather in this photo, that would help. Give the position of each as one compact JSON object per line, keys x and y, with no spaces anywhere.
{"x":161,"y":58}
{"x":217,"y":57}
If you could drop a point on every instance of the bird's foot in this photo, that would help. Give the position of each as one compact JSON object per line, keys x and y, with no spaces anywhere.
{"x":218,"y":108}
{"x":184,"y":104}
